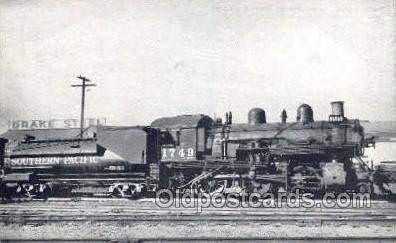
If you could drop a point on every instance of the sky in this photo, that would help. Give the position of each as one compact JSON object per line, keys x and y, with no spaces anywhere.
{"x":152,"y":59}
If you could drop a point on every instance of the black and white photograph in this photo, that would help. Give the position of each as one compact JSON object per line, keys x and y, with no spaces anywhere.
{"x":197,"y":121}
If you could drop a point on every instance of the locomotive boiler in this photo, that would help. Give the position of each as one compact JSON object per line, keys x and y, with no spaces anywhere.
{"x":200,"y":154}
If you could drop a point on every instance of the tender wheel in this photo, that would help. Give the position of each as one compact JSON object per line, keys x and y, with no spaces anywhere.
{"x":124,"y":190}
{"x":44,"y":191}
{"x":117,"y":191}
{"x":26,"y":191}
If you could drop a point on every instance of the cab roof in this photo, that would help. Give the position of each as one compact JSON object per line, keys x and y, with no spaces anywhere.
{"x":183,"y":121}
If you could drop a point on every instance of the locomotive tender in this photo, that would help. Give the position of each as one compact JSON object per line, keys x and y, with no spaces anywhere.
{"x":195,"y":153}
{"x":114,"y":158}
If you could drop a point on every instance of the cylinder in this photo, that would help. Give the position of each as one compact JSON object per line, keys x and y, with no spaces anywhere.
{"x":305,"y":113}
{"x":256,"y":116}
{"x":337,"y":108}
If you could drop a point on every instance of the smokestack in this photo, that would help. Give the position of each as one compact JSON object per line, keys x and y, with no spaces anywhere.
{"x":337,"y":111}
{"x":337,"y":108}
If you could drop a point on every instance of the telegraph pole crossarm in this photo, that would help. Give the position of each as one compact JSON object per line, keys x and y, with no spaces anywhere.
{"x":83,"y":86}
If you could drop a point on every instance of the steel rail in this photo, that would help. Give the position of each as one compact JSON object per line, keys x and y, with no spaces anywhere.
{"x":215,"y":239}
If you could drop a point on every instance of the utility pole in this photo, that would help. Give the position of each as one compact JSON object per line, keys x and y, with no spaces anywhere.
{"x":83,"y":86}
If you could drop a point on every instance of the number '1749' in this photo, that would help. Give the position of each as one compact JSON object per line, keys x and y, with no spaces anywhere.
{"x":170,"y":153}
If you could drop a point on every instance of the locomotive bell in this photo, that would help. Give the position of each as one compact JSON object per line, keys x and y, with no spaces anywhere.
{"x":337,"y":108}
{"x":256,"y":116}
{"x":305,"y":114}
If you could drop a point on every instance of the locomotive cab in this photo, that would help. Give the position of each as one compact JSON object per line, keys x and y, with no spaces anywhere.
{"x":184,"y":137}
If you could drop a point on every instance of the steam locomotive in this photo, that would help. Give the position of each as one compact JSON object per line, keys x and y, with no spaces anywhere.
{"x":197,"y":154}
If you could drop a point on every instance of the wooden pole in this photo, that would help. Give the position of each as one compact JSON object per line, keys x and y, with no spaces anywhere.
{"x":83,"y":86}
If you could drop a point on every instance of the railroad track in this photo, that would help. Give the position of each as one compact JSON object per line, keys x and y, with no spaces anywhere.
{"x":215,"y":239}
{"x":114,"y":215}
{"x":125,"y":212}
{"x":127,"y":220}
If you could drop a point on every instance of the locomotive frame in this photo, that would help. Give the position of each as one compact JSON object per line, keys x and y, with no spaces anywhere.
{"x":197,"y":154}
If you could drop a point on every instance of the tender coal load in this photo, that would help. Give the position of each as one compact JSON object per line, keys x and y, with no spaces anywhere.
{"x":256,"y":116}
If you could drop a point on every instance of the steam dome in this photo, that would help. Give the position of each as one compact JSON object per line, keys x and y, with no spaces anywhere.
{"x":305,"y":113}
{"x":256,"y":116}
